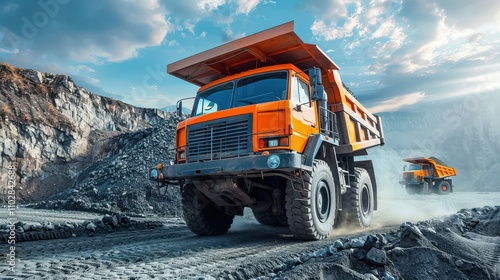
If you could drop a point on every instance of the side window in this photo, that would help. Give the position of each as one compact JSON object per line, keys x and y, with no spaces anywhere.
{"x":213,"y":99}
{"x":300,"y":92}
{"x":295,"y":90}
{"x":205,"y":106}
{"x":304,"y":93}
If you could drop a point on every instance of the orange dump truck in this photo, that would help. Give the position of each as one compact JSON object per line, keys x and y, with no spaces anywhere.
{"x":427,"y":175}
{"x":274,"y":129}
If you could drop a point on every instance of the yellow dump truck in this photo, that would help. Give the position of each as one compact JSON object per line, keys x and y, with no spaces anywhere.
{"x":427,"y":175}
{"x":272,"y":128}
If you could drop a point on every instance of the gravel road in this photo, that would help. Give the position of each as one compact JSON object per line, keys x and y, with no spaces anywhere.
{"x":249,"y":250}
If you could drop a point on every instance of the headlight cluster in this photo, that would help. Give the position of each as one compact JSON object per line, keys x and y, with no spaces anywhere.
{"x":273,"y":142}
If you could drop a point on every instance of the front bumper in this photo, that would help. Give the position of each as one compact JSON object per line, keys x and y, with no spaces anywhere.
{"x":252,"y":164}
{"x":412,"y":183}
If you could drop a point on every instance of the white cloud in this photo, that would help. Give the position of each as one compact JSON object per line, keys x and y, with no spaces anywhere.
{"x":375,"y":10}
{"x":332,"y":9}
{"x":210,"y":5}
{"x":173,"y":43}
{"x":9,"y":51}
{"x":99,"y":32}
{"x":320,"y":30}
{"x":385,"y":29}
{"x":91,"y":80}
{"x":80,"y":68}
{"x":189,"y":26}
{"x":398,"y":102}
{"x":246,"y":6}
{"x":465,"y":14}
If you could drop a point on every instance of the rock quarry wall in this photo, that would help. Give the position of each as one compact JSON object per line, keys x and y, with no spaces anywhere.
{"x":49,"y":125}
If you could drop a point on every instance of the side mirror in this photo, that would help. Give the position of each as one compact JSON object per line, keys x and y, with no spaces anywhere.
{"x":318,"y":91}
{"x":179,"y":108}
{"x":404,"y":168}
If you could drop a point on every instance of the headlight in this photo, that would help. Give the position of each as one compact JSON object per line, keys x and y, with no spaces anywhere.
{"x":153,"y":174}
{"x":273,"y":161}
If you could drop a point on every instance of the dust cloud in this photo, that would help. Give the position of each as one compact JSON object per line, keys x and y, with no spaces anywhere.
{"x":398,"y":207}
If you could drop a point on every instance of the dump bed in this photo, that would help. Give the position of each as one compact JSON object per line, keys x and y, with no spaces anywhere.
{"x":441,"y":170}
{"x":358,"y":128}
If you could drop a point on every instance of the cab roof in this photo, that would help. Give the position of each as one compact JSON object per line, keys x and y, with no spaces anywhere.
{"x":277,"y":45}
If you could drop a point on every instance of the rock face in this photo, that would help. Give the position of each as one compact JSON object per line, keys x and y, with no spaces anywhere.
{"x":50,"y":129}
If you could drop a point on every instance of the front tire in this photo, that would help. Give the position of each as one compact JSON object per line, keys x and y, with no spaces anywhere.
{"x":202,"y":216}
{"x":411,"y":190}
{"x":358,"y":201}
{"x":311,"y":207}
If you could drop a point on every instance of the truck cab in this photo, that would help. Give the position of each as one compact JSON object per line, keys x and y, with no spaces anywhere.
{"x":416,"y":173}
{"x":271,"y":104}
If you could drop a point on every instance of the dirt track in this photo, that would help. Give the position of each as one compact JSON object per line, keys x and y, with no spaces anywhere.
{"x":249,"y":250}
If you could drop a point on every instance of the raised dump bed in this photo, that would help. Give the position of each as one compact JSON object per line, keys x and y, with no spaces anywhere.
{"x":441,"y":170}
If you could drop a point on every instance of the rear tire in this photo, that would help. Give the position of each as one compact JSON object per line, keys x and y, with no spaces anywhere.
{"x":358,"y":201}
{"x":311,"y":207}
{"x":267,"y":218}
{"x":443,"y":187}
{"x":202,"y":216}
{"x":264,"y":215}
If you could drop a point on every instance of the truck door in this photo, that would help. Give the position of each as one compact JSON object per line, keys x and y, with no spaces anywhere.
{"x":304,"y":114}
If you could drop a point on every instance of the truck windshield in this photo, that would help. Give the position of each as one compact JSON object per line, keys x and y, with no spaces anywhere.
{"x":213,"y":99}
{"x":415,"y":167}
{"x":255,"y":89}
{"x":261,"y":88}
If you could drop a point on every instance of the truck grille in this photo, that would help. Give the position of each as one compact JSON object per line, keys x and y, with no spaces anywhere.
{"x":217,"y":139}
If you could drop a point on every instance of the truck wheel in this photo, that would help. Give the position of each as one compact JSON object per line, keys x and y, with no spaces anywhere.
{"x":202,"y":216}
{"x":358,"y":201}
{"x":264,"y":215}
{"x":411,"y":190}
{"x":267,"y":218}
{"x":311,"y":206}
{"x":443,"y":187}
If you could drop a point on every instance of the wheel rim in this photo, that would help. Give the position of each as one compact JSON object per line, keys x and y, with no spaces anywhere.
{"x":365,"y":201}
{"x":323,"y":199}
{"x":444,"y":188}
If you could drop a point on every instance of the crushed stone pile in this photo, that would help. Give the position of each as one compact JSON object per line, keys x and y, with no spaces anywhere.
{"x":465,"y":245}
{"x":118,"y":182}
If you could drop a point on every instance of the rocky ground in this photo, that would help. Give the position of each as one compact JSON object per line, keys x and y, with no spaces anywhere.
{"x":465,"y":245}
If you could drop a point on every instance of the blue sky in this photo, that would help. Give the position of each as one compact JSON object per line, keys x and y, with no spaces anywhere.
{"x":394,"y":55}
